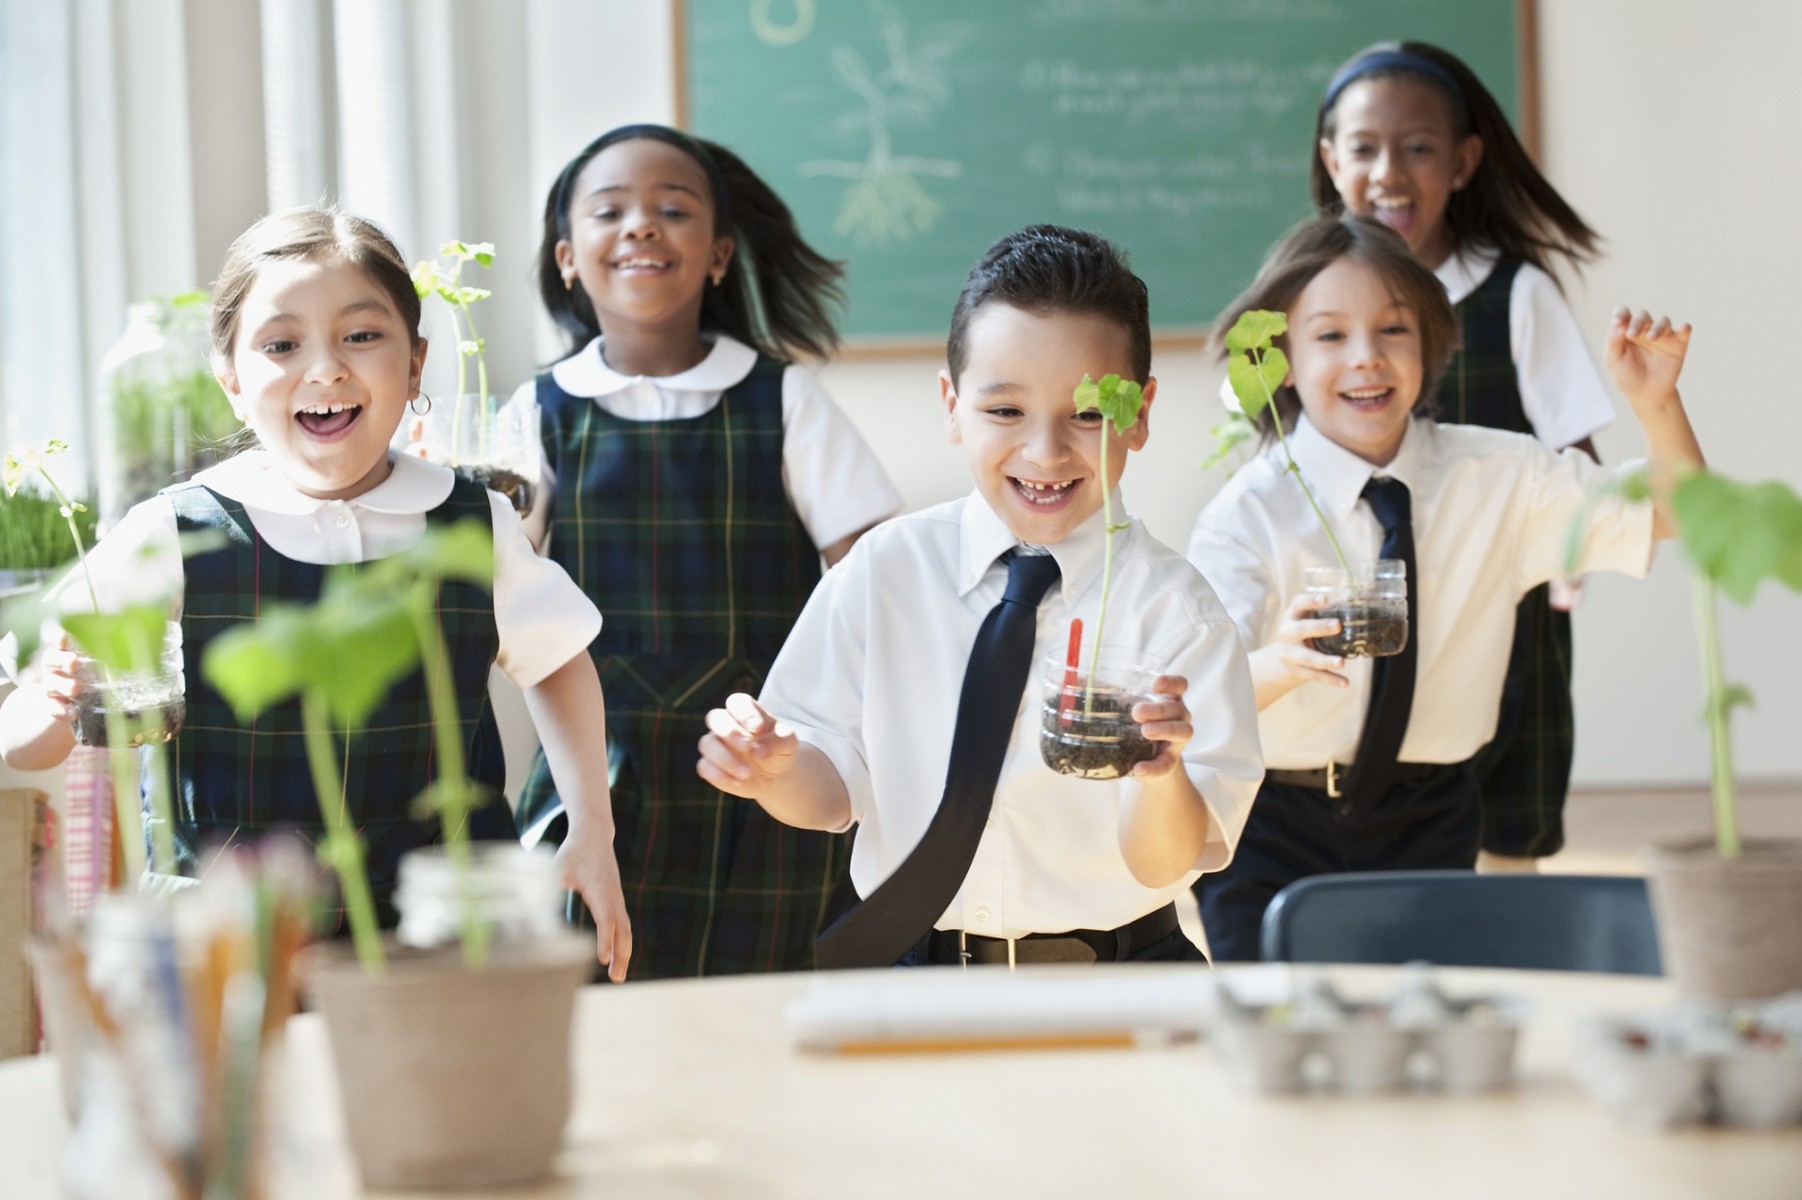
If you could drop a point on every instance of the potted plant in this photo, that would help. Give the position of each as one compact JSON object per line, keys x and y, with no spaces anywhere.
{"x":1723,"y":905}
{"x":1369,"y":600}
{"x":431,"y":1096}
{"x":474,"y":434}
{"x":1086,"y":726}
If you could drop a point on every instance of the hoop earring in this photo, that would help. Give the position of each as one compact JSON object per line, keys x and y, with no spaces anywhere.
{"x":414,"y":404}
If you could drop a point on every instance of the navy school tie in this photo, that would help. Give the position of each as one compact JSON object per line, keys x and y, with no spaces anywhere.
{"x":902,"y":909}
{"x":1391,"y":678}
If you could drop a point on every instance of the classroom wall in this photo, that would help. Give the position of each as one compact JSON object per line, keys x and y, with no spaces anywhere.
{"x":1673,"y":136}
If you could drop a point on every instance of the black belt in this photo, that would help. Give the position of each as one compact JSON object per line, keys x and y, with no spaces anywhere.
{"x":1331,"y":778}
{"x":1074,"y":946}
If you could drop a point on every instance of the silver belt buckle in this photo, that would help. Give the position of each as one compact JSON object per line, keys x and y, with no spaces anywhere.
{"x":1332,"y":779}
{"x":963,"y":949}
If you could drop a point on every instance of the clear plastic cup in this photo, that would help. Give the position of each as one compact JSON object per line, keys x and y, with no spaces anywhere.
{"x":1091,"y":733}
{"x":1370,"y":602}
{"x":152,"y":703}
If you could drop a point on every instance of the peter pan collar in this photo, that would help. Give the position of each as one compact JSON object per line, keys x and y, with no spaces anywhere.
{"x":1464,"y":270}
{"x":586,"y":373}
{"x":252,"y":479}
{"x":983,"y":538}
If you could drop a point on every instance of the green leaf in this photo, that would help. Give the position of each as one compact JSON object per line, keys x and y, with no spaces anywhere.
{"x":1740,"y":534}
{"x":256,"y":667}
{"x":14,"y":475}
{"x":1274,"y":369}
{"x":127,"y":641}
{"x":469,"y":295}
{"x":357,"y":653}
{"x":1122,"y":403}
{"x":1087,"y":395}
{"x":1256,"y":329}
{"x":1734,"y":695}
{"x":1237,"y":428}
{"x":1243,"y":376}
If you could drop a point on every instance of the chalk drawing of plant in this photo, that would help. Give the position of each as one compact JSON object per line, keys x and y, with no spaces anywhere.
{"x":885,"y":202}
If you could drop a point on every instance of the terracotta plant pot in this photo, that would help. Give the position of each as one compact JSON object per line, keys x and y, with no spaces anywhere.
{"x":453,"y":1077}
{"x":1727,"y":928}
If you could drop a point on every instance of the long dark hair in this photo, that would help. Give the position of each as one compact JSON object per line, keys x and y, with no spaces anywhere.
{"x":1507,"y":202}
{"x":1313,"y":246}
{"x":778,"y":294}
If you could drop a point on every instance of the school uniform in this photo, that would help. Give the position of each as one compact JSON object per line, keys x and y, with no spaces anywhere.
{"x":272,"y":544}
{"x":695,"y":505}
{"x":871,"y":676}
{"x":1523,"y":367}
{"x":1491,"y":515}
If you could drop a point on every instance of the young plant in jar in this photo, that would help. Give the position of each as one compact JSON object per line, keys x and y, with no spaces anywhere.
{"x":129,"y":686}
{"x":479,"y":437}
{"x":1086,"y":724}
{"x":1368,"y":599}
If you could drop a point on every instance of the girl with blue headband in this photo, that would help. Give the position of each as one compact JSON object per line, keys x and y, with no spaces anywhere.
{"x":694,"y":479}
{"x":1408,"y":135}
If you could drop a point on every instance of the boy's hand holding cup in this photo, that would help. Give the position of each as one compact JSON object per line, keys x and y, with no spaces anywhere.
{"x":1164,"y":719}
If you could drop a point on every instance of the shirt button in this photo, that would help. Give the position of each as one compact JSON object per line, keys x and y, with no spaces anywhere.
{"x":343,"y":520}
{"x":982,"y":914}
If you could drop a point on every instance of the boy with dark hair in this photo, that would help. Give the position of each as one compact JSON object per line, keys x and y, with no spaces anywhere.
{"x":914,"y":670}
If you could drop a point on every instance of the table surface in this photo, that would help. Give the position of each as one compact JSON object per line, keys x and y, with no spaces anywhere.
{"x":692,"y":1089}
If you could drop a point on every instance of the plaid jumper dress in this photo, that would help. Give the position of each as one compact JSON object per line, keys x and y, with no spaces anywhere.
{"x":1525,"y":771}
{"x":682,"y":532}
{"x":233,"y":781}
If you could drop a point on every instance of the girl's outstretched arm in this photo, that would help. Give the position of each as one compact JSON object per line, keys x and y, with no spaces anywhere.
{"x":568,"y":712}
{"x":1645,"y":357}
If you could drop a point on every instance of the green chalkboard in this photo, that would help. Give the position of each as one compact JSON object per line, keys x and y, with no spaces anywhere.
{"x":909,"y":134}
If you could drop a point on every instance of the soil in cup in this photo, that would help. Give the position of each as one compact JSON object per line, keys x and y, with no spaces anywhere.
{"x":1103,"y":744}
{"x":511,"y":484}
{"x":151,"y":723}
{"x":1365,"y":630}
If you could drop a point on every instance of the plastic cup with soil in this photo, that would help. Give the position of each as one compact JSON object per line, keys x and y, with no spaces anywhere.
{"x":1370,"y":602}
{"x":1092,"y":735}
{"x":488,"y":441}
{"x":152,"y":704}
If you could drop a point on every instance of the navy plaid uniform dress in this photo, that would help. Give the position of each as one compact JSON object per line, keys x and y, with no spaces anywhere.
{"x":237,"y":781}
{"x":1524,"y":772}
{"x":682,"y":531}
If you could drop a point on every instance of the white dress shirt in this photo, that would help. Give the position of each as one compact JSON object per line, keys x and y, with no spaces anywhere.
{"x":1492,"y":513}
{"x":833,"y":479}
{"x":872,"y":673}
{"x":542,"y":617}
{"x":1561,"y":390}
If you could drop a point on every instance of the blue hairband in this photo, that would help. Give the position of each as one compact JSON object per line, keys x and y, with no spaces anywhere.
{"x":1389,"y":60}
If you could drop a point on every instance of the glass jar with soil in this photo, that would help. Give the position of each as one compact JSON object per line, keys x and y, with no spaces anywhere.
{"x":1090,"y":733}
{"x":150,"y":704}
{"x":484,"y":439}
{"x":1370,"y":602}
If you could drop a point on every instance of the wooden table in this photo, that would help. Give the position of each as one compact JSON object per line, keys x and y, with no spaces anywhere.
{"x":691,"y":1089}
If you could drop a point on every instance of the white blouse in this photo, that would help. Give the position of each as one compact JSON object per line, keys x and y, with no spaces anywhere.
{"x":871,"y":677}
{"x":832,"y":477}
{"x":542,"y":617}
{"x":1492,"y":514}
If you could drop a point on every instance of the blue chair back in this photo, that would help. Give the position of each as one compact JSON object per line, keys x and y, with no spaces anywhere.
{"x":1462,"y":919}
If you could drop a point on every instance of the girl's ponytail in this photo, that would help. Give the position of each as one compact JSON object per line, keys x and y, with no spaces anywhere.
{"x":1507,"y":203}
{"x":779,"y":293}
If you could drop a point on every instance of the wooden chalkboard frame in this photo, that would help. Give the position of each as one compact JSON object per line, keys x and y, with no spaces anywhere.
{"x":863,"y":346}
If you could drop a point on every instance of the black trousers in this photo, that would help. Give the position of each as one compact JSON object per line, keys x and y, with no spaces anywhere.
{"x":1176,"y":948}
{"x":1431,"y":822}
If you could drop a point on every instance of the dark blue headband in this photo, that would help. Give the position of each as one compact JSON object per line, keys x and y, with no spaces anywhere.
{"x":716,"y":178}
{"x":1390,"y":60}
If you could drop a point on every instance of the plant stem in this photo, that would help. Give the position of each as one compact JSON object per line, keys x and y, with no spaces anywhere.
{"x":340,"y":847}
{"x":128,"y":810}
{"x":456,"y":446}
{"x":475,"y":339}
{"x":68,"y":510}
{"x":451,"y":789}
{"x":1719,"y":716}
{"x":1107,"y":573}
{"x":1294,"y":468}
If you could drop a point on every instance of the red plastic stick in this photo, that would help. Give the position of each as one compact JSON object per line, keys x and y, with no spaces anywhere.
{"x":1066,"y":713}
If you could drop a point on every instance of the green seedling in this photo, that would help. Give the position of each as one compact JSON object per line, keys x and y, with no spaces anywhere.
{"x":1736,"y":536}
{"x":442,"y":277}
{"x":374,"y":624}
{"x":1255,"y":368}
{"x":1119,"y":401}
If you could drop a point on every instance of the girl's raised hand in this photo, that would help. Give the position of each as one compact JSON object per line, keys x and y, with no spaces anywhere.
{"x":745,"y":749}
{"x":1285,"y":663}
{"x":1645,"y":356}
